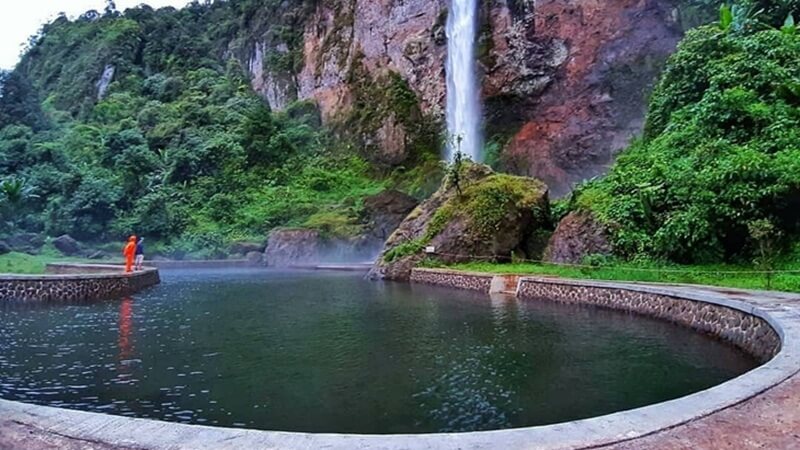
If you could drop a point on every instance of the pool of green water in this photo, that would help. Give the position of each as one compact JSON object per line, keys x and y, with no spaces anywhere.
{"x":331,"y":352}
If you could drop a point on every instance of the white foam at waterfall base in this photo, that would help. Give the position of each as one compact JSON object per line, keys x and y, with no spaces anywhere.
{"x":463,"y":92}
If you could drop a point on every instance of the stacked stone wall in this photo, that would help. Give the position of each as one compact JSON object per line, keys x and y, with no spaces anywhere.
{"x":748,"y":332}
{"x":71,"y":288}
{"x":456,"y":280}
{"x":745,"y":331}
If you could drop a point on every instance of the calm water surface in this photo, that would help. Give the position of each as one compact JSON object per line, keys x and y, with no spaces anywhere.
{"x":330,"y":352}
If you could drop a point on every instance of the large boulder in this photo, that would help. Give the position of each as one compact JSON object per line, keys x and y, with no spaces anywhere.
{"x":254,"y":258}
{"x":384,"y":212}
{"x":244,"y":247}
{"x":67,"y":245}
{"x":577,"y":236}
{"x":288,"y":247}
{"x":492,"y":217}
{"x":26,"y":242}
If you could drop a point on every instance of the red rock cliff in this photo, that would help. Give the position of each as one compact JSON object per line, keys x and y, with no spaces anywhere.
{"x":564,"y":81}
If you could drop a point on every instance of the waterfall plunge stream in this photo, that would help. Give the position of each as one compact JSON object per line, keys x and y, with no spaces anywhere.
{"x":463,"y":92}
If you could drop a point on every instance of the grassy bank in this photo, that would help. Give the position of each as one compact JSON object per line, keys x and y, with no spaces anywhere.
{"x":713,"y":275}
{"x":23,"y":263}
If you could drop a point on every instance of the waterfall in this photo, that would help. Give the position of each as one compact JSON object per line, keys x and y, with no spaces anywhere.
{"x":463,"y":92}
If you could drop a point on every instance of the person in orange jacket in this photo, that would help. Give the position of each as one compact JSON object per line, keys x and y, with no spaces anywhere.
{"x":129,"y":252}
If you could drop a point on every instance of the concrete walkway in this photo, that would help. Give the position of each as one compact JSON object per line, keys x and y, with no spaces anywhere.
{"x":758,"y":410}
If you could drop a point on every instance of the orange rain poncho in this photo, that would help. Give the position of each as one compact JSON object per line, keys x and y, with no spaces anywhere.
{"x":129,"y":252}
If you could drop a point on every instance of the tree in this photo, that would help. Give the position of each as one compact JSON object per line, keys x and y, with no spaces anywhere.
{"x":765,"y":235}
{"x":13,"y":194}
{"x":19,"y":101}
{"x":259,"y":129}
{"x":111,"y":9}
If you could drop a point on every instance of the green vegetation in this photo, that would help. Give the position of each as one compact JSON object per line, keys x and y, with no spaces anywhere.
{"x":711,"y":193}
{"x":386,"y":99}
{"x":489,"y":202}
{"x":484,"y":204}
{"x":23,"y":263}
{"x":721,"y":150}
{"x":726,"y":275}
{"x":178,"y":147}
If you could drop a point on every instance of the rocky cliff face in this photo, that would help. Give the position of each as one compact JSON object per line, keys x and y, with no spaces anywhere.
{"x":596,"y":99}
{"x":564,"y":81}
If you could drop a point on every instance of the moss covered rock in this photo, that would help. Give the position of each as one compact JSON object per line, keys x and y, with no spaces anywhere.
{"x":490,"y":216}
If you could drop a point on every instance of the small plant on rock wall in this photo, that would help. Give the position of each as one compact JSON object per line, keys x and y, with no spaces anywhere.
{"x":765,"y":235}
{"x":454,"y":170}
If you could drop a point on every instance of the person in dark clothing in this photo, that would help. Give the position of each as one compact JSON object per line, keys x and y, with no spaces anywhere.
{"x":140,"y":254}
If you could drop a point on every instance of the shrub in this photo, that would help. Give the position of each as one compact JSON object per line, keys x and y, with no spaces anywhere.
{"x":721,"y":150}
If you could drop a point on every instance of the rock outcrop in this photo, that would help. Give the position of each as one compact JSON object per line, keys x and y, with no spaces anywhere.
{"x":26,"y":242}
{"x":254,"y":258}
{"x":67,"y":245}
{"x":595,"y":101}
{"x":384,"y":212}
{"x":382,"y":36}
{"x":288,"y":247}
{"x":577,"y":236}
{"x":243,"y":248}
{"x":488,"y":216}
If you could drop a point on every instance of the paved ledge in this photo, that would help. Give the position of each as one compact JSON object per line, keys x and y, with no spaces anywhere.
{"x":75,"y":282}
{"x":764,"y":401}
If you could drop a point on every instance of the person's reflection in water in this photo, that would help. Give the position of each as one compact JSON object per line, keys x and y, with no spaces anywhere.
{"x":125,"y":341}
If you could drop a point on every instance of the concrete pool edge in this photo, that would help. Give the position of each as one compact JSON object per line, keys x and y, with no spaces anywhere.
{"x":781,"y":311}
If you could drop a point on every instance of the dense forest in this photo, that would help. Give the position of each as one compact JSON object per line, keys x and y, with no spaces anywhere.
{"x":180,"y":148}
{"x":177,"y":147}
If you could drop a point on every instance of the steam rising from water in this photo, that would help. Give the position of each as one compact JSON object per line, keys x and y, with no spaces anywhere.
{"x":463,"y":93}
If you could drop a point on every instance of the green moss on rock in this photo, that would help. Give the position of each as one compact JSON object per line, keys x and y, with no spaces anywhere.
{"x":495,"y":216}
{"x":382,"y":98}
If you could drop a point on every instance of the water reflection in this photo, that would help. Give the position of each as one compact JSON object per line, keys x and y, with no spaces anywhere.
{"x":125,"y":340}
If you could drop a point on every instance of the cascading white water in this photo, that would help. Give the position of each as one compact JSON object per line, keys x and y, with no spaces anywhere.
{"x":463,"y":93}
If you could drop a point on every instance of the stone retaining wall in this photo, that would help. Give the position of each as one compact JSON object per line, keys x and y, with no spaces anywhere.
{"x":458,"y":280}
{"x":743,"y":330}
{"x":96,"y":283}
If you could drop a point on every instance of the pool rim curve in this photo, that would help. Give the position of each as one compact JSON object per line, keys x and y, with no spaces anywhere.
{"x":776,"y":309}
